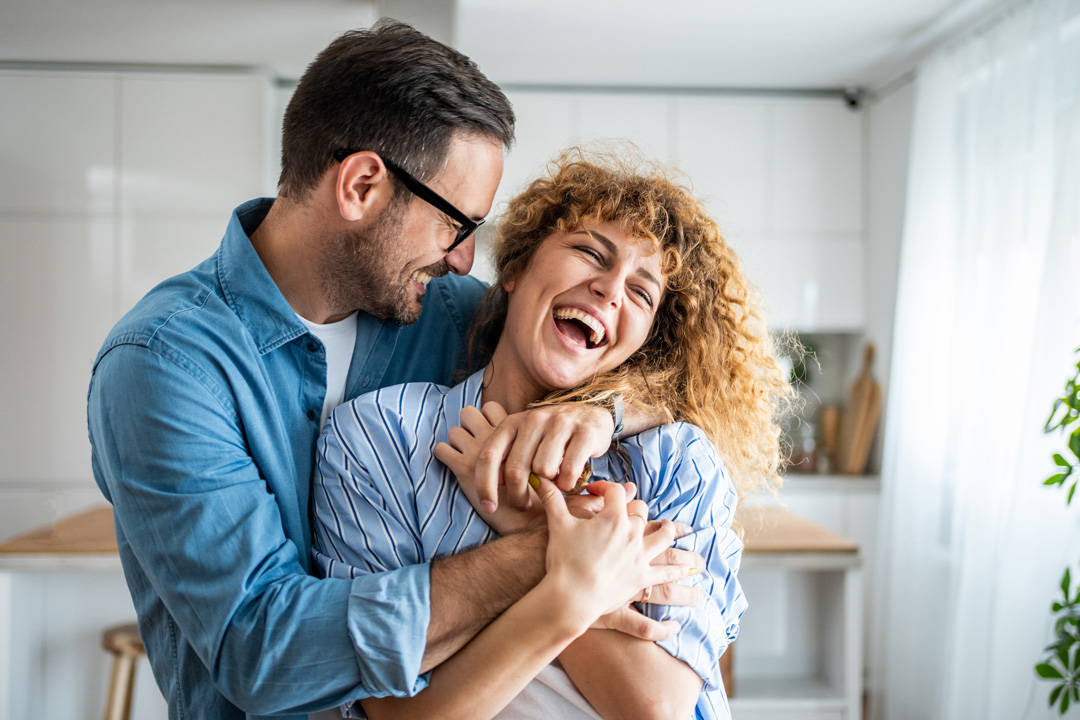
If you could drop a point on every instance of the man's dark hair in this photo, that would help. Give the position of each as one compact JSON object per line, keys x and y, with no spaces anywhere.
{"x":394,"y":91}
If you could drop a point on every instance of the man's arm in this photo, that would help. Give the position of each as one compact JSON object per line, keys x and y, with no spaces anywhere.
{"x":470,"y":590}
{"x":554,"y":441}
{"x":204,"y":535}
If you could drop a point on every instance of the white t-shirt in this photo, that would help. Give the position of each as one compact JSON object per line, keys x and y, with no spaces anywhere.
{"x":338,"y":339}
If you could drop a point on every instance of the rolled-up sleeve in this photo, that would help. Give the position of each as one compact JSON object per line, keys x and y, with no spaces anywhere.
{"x":685,"y":481}
{"x":207,"y":555}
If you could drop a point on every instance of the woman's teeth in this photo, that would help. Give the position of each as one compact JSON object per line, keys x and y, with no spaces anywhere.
{"x":567,"y":313}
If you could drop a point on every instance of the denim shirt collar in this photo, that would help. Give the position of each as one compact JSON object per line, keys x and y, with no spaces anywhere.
{"x":248,"y":287}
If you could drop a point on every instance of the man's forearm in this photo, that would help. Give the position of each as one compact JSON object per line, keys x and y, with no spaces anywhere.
{"x":637,"y":421}
{"x":470,"y":590}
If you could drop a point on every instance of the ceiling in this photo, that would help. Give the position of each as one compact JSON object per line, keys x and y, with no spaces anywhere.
{"x":771,"y":44}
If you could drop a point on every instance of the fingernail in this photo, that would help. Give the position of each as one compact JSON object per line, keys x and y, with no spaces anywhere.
{"x":534,"y":481}
{"x":692,"y":571}
{"x":488,"y":506}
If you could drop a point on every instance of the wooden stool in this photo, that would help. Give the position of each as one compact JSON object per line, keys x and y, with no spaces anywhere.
{"x":126,"y":646}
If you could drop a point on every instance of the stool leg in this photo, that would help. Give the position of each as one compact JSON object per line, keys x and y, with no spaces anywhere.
{"x":121,"y":685}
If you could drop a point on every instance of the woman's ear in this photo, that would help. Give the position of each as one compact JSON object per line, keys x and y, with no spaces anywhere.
{"x":509,"y":285}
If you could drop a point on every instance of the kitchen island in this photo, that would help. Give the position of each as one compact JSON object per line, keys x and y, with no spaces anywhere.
{"x":62,"y":584}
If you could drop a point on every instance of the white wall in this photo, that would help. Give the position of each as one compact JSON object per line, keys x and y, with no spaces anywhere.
{"x":109,"y":183}
{"x":888,"y":139}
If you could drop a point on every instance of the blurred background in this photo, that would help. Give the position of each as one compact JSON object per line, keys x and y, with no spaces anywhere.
{"x":900,"y":179}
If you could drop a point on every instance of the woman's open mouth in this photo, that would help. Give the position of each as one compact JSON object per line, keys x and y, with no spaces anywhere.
{"x":580,"y":327}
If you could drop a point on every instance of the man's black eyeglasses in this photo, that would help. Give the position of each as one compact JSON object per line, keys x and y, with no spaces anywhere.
{"x":466,"y":225}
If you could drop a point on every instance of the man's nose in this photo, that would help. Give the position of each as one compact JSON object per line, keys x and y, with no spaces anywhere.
{"x":460,"y":259}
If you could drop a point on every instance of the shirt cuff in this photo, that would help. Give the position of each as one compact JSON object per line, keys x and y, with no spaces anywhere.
{"x":388,"y":622}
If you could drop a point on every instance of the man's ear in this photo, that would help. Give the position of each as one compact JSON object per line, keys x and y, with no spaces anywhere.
{"x":363,"y":186}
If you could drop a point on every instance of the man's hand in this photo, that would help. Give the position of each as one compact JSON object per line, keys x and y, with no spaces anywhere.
{"x":494,"y":449}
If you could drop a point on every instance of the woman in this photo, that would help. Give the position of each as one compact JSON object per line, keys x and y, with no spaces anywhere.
{"x":609,"y":280}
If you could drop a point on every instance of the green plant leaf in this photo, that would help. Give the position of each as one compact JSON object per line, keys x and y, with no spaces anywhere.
{"x":1055,"y":479}
{"x":1050,"y":426}
{"x":1063,"y":654}
{"x":1074,"y":442}
{"x":1055,"y":694}
{"x":1064,"y":702}
{"x":1048,"y":672}
{"x":1059,"y":460}
{"x":1066,"y":582}
{"x":1072,"y":491}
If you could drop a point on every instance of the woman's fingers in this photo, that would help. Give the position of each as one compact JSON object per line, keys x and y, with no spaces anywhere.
{"x":493,"y":412}
{"x":673,"y":593}
{"x":627,"y":620}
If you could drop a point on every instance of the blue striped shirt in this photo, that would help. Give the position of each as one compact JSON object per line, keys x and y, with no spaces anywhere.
{"x":382,"y":501}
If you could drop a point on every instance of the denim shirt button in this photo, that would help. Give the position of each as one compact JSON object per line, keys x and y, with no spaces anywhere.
{"x":312,"y":347}
{"x":311,"y":415}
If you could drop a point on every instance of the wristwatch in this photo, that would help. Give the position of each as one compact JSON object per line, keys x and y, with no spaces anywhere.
{"x":616,"y":409}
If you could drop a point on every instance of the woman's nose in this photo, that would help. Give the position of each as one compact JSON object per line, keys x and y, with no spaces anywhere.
{"x":609,"y":287}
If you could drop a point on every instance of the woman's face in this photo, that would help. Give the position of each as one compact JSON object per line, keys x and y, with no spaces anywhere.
{"x":582,"y":306}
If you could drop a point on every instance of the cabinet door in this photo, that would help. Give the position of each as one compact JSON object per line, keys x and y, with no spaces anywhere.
{"x":545,"y":126}
{"x":192,"y":143}
{"x":56,"y":288}
{"x":721,"y":144}
{"x":57,"y":142}
{"x":809,"y":282}
{"x":815,"y":167}
{"x":643,"y":119}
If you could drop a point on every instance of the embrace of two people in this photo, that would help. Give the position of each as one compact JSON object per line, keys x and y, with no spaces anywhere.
{"x":420,"y":558}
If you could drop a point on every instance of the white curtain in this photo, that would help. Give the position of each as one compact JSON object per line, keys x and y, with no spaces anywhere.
{"x":988,"y":314}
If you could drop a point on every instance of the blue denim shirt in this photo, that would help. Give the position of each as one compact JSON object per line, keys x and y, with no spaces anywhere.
{"x":203,"y":411}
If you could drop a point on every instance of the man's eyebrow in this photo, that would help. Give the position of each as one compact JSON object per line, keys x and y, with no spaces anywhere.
{"x":614,"y":250}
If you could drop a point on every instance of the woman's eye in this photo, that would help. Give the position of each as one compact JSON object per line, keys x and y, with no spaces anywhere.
{"x":591,"y":253}
{"x":644,"y":295}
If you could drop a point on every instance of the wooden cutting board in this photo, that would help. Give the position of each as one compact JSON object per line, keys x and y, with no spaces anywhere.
{"x":859,"y":420}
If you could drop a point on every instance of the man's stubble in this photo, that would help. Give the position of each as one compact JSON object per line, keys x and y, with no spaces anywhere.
{"x":367,"y":270}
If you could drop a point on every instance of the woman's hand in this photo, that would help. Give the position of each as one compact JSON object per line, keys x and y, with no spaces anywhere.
{"x":602,"y":562}
{"x":460,"y":455}
{"x":553,"y":441}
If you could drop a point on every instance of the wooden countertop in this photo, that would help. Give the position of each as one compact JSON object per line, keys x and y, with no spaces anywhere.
{"x":89,"y":532}
{"x":768,"y":531}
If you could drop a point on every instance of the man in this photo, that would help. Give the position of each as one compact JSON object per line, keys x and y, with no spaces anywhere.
{"x":207,"y":398}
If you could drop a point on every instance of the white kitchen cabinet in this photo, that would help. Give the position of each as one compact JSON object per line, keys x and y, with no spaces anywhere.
{"x":782,"y":176}
{"x":642,"y":118}
{"x":545,"y":123}
{"x":800,"y":648}
{"x":57,"y":142}
{"x":811,"y":283}
{"x":192,"y":143}
{"x":56,"y":288}
{"x":722,"y":144}
{"x":109,"y":183}
{"x":815,"y":167}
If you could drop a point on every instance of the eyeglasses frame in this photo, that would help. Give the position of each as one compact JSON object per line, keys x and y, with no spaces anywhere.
{"x":467,"y":226}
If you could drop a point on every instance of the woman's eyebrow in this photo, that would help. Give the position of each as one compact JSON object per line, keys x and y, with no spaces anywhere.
{"x":614,"y":250}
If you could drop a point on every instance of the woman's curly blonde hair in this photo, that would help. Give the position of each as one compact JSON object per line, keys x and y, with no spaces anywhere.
{"x":709,"y":359}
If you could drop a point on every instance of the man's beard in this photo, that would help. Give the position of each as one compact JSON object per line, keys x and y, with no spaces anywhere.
{"x":359,"y":271}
